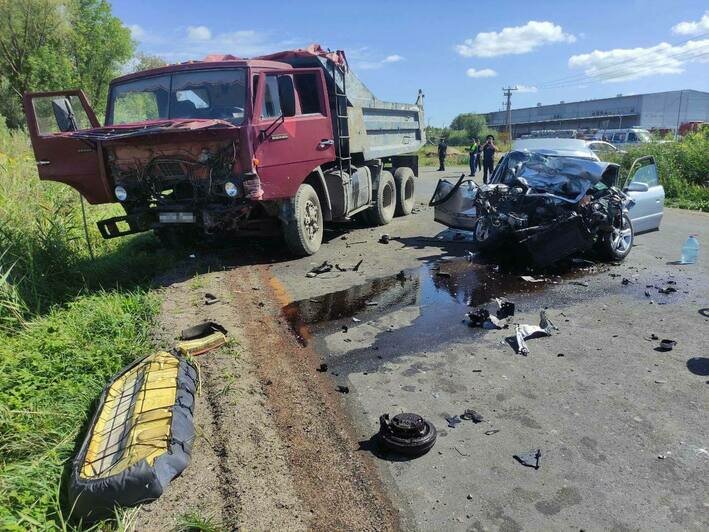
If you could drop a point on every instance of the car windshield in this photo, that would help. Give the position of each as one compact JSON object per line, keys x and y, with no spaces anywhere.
{"x":219,"y":94}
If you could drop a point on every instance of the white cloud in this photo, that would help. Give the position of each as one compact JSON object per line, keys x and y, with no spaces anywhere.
{"x":198,"y":33}
{"x":136,"y":32}
{"x":692,"y":27}
{"x":373,"y":65}
{"x":514,"y":40}
{"x":624,"y":64}
{"x":394,"y":58}
{"x":483,"y":73}
{"x":526,"y":88}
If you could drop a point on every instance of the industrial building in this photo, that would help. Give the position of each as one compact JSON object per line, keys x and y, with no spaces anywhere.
{"x":655,"y":111}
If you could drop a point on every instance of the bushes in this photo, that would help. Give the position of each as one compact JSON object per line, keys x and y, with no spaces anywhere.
{"x":683,"y":168}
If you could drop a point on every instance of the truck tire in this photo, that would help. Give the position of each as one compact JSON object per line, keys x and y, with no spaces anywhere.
{"x":303,"y":232}
{"x":382,"y":212}
{"x":404,"y":179}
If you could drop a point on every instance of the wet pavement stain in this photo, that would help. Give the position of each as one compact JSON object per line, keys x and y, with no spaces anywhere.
{"x":420,"y":309}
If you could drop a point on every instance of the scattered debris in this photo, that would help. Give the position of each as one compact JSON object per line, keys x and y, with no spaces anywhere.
{"x":560,"y":354}
{"x":352,"y":269}
{"x":506,"y":308}
{"x":667,"y":290}
{"x":452,"y":421}
{"x":531,"y":279}
{"x":384,"y":239}
{"x":527,"y":332}
{"x":472,"y":415}
{"x":579,"y":283}
{"x":477,"y":317}
{"x":647,"y":294}
{"x":210,"y":299}
{"x":345,"y":329}
{"x":530,"y":458}
{"x":322,"y":268}
{"x":322,"y":368}
{"x":441,"y":273}
{"x":407,"y":433}
{"x":343,"y":389}
{"x":371,"y":303}
{"x":625,"y":281}
{"x":470,"y":496}
{"x":356,"y":320}
{"x":667,"y":344}
{"x":201,"y":338}
{"x":491,"y":432}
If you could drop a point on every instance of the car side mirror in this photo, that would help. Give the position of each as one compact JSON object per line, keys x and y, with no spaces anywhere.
{"x":637,"y":186}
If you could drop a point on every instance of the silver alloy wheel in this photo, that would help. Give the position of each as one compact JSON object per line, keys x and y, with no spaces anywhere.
{"x":623,"y":237}
{"x":311,"y":220}
{"x":482,"y":230}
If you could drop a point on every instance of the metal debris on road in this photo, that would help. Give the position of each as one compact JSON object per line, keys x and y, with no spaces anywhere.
{"x":322,"y":368}
{"x":531,"y":279}
{"x":667,"y":290}
{"x":530,"y":458}
{"x":472,"y":415}
{"x":527,"y":332}
{"x":384,"y":239}
{"x":406,"y":433}
{"x":491,"y":432}
{"x":505,"y":308}
{"x":452,"y":421}
{"x":317,"y":270}
{"x":343,"y":389}
{"x":210,"y":299}
{"x":667,"y":344}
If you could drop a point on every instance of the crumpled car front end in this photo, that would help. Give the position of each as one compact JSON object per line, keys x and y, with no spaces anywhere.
{"x":548,"y":207}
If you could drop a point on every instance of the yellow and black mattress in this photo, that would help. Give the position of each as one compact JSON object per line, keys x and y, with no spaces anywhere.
{"x":139,"y":439}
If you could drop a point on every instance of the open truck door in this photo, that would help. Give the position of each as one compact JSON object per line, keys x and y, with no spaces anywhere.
{"x":644,"y":188}
{"x":52,"y":117}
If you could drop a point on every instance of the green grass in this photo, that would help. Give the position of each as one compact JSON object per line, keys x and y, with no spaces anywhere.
{"x":197,"y":522}
{"x":67,"y":324}
{"x":50,"y":375}
{"x":683,"y":168}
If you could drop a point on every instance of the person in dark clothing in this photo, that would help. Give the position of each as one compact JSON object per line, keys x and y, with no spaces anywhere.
{"x":442,"y":150}
{"x":488,"y":150}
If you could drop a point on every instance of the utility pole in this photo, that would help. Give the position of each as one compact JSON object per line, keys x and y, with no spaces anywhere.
{"x":507,"y":91}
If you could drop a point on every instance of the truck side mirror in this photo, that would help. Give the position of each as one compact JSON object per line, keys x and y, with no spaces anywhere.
{"x":64,"y":114}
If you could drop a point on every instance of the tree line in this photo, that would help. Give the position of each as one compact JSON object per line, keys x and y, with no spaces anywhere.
{"x":62,"y":44}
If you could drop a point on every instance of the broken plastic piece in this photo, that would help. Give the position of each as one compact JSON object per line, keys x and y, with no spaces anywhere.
{"x":667,"y":290}
{"x":407,"y":433}
{"x":472,"y":415}
{"x":452,"y":421}
{"x":384,"y":239}
{"x":527,"y":332}
{"x":530,"y":458}
{"x":491,"y":432}
{"x":322,"y":268}
{"x":210,"y":299}
{"x":531,"y":279}
{"x":201,"y":338}
{"x":667,"y":345}
{"x":507,"y":309}
{"x":478,"y":317}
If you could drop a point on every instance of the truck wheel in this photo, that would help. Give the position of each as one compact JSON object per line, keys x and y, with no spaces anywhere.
{"x":382,"y":212}
{"x":303,"y":231}
{"x":404,"y":178}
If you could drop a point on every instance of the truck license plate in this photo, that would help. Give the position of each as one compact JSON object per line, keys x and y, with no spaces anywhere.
{"x":176,"y":217}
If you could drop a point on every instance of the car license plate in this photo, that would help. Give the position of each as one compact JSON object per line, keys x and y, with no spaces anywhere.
{"x":177,"y":218}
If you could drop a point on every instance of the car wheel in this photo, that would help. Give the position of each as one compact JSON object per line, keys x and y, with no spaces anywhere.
{"x":484,"y":233}
{"x":404,"y":179}
{"x":616,"y":245}
{"x":303,"y":231}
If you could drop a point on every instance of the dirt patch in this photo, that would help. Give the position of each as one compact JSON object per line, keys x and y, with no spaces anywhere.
{"x":274,"y":449}
{"x":239,"y":474}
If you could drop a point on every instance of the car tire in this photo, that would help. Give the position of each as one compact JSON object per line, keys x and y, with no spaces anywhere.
{"x":382,"y":212}
{"x":484,"y":233}
{"x":616,"y":245}
{"x":405,"y":187}
{"x":303,"y":230}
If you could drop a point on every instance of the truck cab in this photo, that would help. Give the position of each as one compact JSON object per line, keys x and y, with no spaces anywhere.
{"x":224,"y":144}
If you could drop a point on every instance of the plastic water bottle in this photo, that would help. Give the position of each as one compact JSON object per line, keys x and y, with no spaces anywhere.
{"x":690,"y":250}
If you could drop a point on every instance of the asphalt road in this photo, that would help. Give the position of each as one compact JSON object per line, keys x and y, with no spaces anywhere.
{"x":622,"y":427}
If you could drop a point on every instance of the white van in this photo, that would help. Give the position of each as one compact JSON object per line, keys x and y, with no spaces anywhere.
{"x":623,"y":137}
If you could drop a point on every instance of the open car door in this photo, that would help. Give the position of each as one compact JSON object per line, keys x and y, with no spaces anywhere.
{"x":52,"y":117}
{"x":643,"y":186}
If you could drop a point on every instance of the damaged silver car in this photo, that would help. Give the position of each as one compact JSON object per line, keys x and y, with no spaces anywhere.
{"x":549,"y":203}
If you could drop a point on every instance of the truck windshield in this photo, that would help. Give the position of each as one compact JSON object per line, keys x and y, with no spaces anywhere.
{"x":196,"y":94}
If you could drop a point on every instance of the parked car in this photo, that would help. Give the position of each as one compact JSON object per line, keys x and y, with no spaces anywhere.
{"x":623,"y":137}
{"x":550,"y":202}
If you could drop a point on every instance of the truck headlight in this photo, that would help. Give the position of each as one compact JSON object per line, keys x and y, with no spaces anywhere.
{"x":121,"y":193}
{"x":230,"y":189}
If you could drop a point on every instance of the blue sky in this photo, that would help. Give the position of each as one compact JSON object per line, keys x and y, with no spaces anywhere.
{"x":460,"y":53}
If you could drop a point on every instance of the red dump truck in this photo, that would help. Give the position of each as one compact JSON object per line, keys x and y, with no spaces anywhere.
{"x":281,"y":142}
